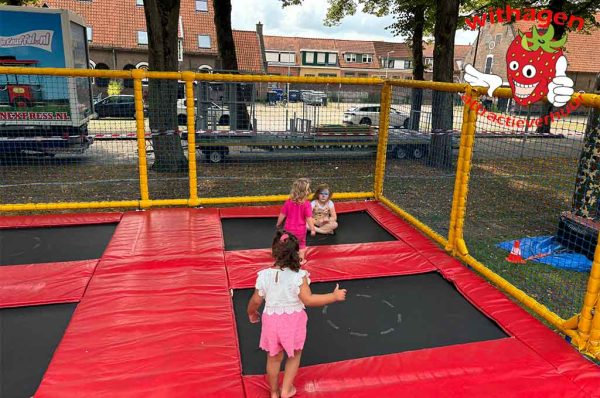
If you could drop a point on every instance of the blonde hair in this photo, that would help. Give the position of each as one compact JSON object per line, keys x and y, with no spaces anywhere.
{"x":300,"y":190}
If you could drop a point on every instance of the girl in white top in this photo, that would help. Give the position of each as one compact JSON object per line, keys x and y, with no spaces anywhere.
{"x":323,"y":211}
{"x":285,"y":290}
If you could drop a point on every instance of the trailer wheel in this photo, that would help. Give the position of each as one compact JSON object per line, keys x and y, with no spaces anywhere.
{"x":21,"y":102}
{"x":216,"y":156}
{"x":418,"y":152}
{"x":400,"y":152}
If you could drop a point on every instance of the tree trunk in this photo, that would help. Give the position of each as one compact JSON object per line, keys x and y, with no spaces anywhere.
{"x":440,"y":149}
{"x":587,"y":184}
{"x":229,"y":63}
{"x":418,"y":67}
{"x":555,"y":6}
{"x":162,"y":19}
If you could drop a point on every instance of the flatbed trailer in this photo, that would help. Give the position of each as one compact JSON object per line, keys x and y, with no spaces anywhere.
{"x":402,"y":143}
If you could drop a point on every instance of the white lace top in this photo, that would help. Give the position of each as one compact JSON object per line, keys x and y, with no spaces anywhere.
{"x":280,"y":289}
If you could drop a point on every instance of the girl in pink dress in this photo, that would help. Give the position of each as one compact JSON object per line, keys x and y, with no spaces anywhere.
{"x":298,"y":214}
{"x":285,"y":289}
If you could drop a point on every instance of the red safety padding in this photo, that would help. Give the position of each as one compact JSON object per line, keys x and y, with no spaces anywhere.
{"x":166,"y":234}
{"x":329,"y":263}
{"x":150,"y":332}
{"x":58,"y":220}
{"x":498,"y":368}
{"x":547,"y":344}
{"x":50,"y":283}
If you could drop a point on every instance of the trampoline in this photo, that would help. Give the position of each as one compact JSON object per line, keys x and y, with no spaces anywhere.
{"x":29,"y":336}
{"x":257,"y":233}
{"x":53,"y":244}
{"x":380,"y":316}
{"x":155,"y":315}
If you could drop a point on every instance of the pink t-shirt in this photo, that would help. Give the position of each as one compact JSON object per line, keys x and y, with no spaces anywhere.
{"x":296,"y":215}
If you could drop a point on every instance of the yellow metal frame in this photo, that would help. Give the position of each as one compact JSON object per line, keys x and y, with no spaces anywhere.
{"x":583,"y":328}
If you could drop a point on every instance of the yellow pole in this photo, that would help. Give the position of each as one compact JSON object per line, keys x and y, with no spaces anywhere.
{"x":462,"y":177}
{"x":589,"y":318}
{"x":138,"y":75}
{"x":384,"y":124}
{"x":459,"y":172}
{"x":188,"y":77}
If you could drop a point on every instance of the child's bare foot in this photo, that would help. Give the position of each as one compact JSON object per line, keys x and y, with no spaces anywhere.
{"x":289,"y":394}
{"x":274,"y":394}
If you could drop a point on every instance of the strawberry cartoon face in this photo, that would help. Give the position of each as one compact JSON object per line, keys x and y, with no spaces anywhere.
{"x":530,"y":64}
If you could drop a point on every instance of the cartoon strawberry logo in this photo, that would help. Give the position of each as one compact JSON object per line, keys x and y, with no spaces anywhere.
{"x":531,"y":62}
{"x":536,"y":67}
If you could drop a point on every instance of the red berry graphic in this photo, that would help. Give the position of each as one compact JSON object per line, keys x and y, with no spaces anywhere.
{"x":530,"y":62}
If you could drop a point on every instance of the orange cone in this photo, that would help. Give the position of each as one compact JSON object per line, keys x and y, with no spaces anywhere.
{"x":515,"y":254}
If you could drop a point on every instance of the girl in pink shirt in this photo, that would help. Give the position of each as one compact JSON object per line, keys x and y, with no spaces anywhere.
{"x":297,"y":214}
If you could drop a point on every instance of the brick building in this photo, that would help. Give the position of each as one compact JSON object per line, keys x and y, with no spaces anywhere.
{"x":302,"y":56}
{"x":582,"y":52}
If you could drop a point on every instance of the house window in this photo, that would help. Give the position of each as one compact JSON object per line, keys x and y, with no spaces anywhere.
{"x":367,"y":58}
{"x":349,"y":57}
{"x":309,"y":75}
{"x":88,"y":32}
{"x":139,"y":3}
{"x":428,"y":61}
{"x":309,"y":57}
{"x":201,"y":5}
{"x":332,"y":60}
{"x":497,"y":39}
{"x":142,"y":37}
{"x":180,"y":50}
{"x":287,"y":58}
{"x":320,"y":58}
{"x":327,"y":75}
{"x":408,"y":64}
{"x":203,"y":41}
{"x":488,"y":64}
{"x":390,"y":63}
{"x":272,"y":56}
{"x":349,"y":74}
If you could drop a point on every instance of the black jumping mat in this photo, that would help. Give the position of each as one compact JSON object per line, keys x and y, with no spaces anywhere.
{"x":29,"y":336}
{"x":380,"y":316}
{"x":257,"y":233}
{"x":55,"y":244}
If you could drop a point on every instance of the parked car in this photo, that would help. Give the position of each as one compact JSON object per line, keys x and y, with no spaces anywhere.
{"x":115,"y":106}
{"x":314,"y":98}
{"x":215,"y":112}
{"x":369,"y":115}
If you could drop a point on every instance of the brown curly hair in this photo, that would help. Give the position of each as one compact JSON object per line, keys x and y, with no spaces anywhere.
{"x":285,"y":250}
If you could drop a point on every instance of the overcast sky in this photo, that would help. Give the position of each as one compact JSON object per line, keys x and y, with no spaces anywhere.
{"x":307,"y":21}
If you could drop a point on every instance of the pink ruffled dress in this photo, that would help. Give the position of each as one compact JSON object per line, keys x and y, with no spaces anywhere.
{"x":283,"y":318}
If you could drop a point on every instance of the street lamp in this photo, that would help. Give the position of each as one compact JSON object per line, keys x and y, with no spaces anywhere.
{"x":387,"y":62}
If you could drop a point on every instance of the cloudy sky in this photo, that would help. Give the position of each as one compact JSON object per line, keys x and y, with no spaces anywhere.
{"x":307,"y":21}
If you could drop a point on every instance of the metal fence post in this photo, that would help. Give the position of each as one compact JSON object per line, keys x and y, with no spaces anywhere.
{"x":384,"y":124}
{"x":138,"y":75}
